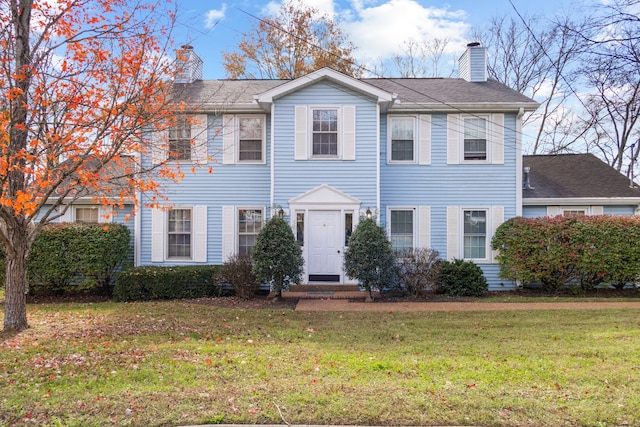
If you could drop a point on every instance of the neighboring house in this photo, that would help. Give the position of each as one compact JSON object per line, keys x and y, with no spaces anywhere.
{"x":569,"y":184}
{"x":437,"y":161}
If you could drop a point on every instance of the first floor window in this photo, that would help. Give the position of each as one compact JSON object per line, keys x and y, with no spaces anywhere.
{"x":250,"y":139}
{"x":179,"y":234}
{"x":180,"y":140}
{"x":475,"y":139}
{"x":574,"y":212}
{"x":402,"y":139}
{"x":475,"y":234}
{"x":300,"y":228}
{"x":325,"y":132}
{"x":88,"y":214}
{"x":401,"y":229}
{"x":348,"y":227}
{"x":250,"y":223}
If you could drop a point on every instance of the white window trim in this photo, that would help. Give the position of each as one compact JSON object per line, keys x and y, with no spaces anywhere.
{"x":159,"y":235}
{"x":166,"y":235}
{"x":488,"y":233}
{"x":416,"y":139}
{"x":586,"y":209}
{"x":199,"y":141}
{"x":236,"y":130}
{"x":339,"y":150}
{"x":488,"y":139}
{"x":236,"y":219}
{"x":414,"y":232}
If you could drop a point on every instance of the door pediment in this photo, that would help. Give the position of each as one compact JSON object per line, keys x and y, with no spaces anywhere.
{"x":324,"y":195}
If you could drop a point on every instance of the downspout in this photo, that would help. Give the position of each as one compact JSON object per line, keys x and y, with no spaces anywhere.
{"x":272,"y":166}
{"x":519,"y":162}
{"x":378,"y":162}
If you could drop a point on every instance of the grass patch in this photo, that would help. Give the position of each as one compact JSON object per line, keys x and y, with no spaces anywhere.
{"x":177,"y":363}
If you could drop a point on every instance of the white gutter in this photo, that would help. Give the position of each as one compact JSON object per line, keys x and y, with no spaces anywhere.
{"x":378,"y":162}
{"x":578,"y":201}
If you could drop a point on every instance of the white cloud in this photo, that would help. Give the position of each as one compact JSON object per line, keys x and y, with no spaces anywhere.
{"x":214,"y":16}
{"x":327,"y":7}
{"x":378,"y":31}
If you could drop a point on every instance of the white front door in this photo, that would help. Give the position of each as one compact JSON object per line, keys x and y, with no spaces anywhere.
{"x":325,"y":244}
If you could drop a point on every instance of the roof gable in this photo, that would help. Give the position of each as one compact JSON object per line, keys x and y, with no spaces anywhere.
{"x":324,"y":194}
{"x":382,"y":96}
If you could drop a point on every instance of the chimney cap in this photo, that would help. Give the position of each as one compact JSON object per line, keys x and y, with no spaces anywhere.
{"x":473,"y":44}
{"x":187,"y":47}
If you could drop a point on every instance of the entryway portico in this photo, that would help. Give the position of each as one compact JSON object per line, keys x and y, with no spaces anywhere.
{"x":323,"y":219}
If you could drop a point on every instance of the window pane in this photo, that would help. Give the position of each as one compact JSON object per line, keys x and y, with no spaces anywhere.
{"x":475,"y":139}
{"x":475,"y":234}
{"x":300,"y":228}
{"x":348,"y":227}
{"x":179,"y":233}
{"x":249,"y":225}
{"x":325,"y":133}
{"x":402,"y":150}
{"x":89,"y":215}
{"x":180,"y":140}
{"x":250,"y":139}
{"x":401,"y":229}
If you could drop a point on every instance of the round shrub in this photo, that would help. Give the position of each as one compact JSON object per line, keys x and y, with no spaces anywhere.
{"x":237,"y":271}
{"x":460,"y":278}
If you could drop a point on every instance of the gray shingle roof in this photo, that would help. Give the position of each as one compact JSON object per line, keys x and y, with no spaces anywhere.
{"x":423,"y":91}
{"x":575,"y":176}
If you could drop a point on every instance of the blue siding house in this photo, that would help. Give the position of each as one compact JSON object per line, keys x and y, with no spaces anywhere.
{"x":437,"y":161}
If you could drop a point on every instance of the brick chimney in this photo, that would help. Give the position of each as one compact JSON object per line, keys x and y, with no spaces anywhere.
{"x":188,"y":64}
{"x":473,"y":63}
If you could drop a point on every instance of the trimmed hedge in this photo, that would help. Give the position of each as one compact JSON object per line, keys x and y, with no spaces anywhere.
{"x":581,"y":250}
{"x":152,"y":283}
{"x":76,"y":256}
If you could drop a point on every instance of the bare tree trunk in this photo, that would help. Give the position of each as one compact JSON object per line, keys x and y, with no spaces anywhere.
{"x":15,"y":308}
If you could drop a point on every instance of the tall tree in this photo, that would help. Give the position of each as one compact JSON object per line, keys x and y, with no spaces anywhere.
{"x":611,"y":68}
{"x":295,"y":41}
{"x":82,"y":83}
{"x":422,"y":59}
{"x":536,"y":57}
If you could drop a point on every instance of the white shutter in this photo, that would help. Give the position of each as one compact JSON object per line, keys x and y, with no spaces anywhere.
{"x":103,"y":211}
{"x":349,"y":132}
{"x":199,"y":136}
{"x":453,"y":139}
{"x":158,"y":151}
{"x":228,"y":232}
{"x":553,"y":211}
{"x":300,"y":132}
{"x":424,"y":224}
{"x":453,"y":232}
{"x":497,"y":139}
{"x":228,"y":139}
{"x":497,"y":218}
{"x":67,"y":216}
{"x":597,"y":210}
{"x":424,"y":130}
{"x":200,"y":233}
{"x":157,"y":235}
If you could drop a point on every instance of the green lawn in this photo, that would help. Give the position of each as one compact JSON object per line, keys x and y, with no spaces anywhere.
{"x":176,"y":363}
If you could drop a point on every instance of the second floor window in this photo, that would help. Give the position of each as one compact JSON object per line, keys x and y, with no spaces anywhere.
{"x":475,"y":138}
{"x":402,"y":139}
{"x":180,"y":140}
{"x":250,"y":139}
{"x":325,"y":133}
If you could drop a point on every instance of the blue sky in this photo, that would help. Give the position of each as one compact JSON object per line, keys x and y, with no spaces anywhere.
{"x":376,"y":27}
